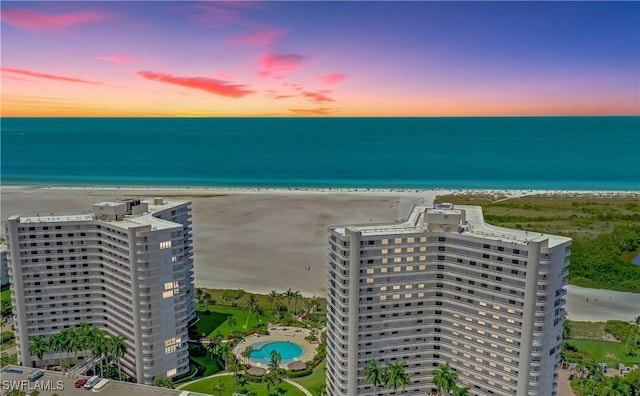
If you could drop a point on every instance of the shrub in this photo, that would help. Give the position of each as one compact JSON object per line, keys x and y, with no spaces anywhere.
{"x":298,"y":374}
{"x":230,"y":295}
{"x":619,"y":329}
{"x":6,"y":336}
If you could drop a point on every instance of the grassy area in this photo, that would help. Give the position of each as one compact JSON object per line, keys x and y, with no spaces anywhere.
{"x":316,"y":381}
{"x":216,"y":322}
{"x":207,"y":386}
{"x":264,"y":300}
{"x":7,"y":345}
{"x":578,"y":216}
{"x":609,"y":352}
{"x":5,"y":293}
{"x":211,"y":365}
{"x":588,"y":331}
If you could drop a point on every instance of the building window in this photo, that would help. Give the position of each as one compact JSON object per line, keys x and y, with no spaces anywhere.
{"x":172,"y":372}
{"x":165,"y":245}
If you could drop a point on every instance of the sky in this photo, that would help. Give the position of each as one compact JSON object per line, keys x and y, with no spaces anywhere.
{"x":319,"y":58}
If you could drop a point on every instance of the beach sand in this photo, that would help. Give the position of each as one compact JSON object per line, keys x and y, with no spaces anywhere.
{"x":264,"y":239}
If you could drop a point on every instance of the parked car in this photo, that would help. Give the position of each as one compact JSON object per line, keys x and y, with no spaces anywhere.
{"x":80,"y":383}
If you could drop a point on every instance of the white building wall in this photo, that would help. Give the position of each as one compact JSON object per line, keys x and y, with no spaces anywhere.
{"x":429,"y":297}
{"x":110,"y":274}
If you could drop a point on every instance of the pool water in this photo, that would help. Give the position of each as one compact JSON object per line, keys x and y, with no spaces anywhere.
{"x":289,"y":351}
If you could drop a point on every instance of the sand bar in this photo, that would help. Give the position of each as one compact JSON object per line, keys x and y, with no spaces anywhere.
{"x":262,"y":239}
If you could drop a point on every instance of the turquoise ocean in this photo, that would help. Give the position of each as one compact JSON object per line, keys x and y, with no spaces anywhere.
{"x":568,"y":153}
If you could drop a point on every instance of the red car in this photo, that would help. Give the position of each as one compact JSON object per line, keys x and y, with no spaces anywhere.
{"x":80,"y":383}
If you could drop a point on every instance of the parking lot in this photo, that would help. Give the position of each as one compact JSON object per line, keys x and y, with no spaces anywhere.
{"x":53,"y":382}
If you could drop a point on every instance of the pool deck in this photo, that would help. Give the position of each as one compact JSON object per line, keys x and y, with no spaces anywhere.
{"x":280,"y":333}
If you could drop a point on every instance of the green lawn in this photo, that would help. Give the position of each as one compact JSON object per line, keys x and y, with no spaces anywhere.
{"x":206,"y":386}
{"x":5,"y":293}
{"x":216,"y":322}
{"x":588,"y":331}
{"x":316,"y":381}
{"x":211,"y":365}
{"x":611,"y":353}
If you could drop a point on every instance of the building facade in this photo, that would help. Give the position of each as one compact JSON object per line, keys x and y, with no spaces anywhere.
{"x":441,"y":287}
{"x":126,"y":267}
{"x":4,"y":265}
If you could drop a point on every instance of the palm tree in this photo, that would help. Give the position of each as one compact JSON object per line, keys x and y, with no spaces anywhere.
{"x":259,"y":313}
{"x":219,"y":387}
{"x":74,"y":342}
{"x":39,"y":346}
{"x":272,"y":378}
{"x":296,"y":296}
{"x":99,"y":348}
{"x":199,"y":294}
{"x":374,"y":375}
{"x":616,"y":387}
{"x":251,"y":307}
{"x":66,"y":336}
{"x":57,"y":344}
{"x":247,"y":353}
{"x":457,"y":391}
{"x":289,"y":295}
{"x":273,"y":297}
{"x":443,"y":378}
{"x":231,"y":322}
{"x":274,"y":364}
{"x":117,"y":349}
{"x":396,"y":377}
{"x":207,"y":299}
{"x":214,"y":345}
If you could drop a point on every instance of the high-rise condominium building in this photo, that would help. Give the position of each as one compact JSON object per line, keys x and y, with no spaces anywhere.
{"x":445,"y":287}
{"x":126,"y":267}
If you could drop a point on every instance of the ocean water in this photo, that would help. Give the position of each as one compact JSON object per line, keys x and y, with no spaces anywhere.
{"x":572,"y":153}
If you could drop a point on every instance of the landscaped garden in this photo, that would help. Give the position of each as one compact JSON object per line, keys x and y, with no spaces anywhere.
{"x":587,"y":356}
{"x":225,"y":317}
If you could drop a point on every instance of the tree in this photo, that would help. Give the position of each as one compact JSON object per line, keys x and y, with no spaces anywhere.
{"x":39,"y":347}
{"x":74,"y":342}
{"x":199,"y":295}
{"x":443,"y":378}
{"x":99,"y":348}
{"x":274,"y":364}
{"x":57,"y":344}
{"x":396,"y":377}
{"x":117,"y":349}
{"x":163,"y":383}
{"x":289,"y":295}
{"x":247,"y":353}
{"x":231,"y":322}
{"x":214,"y":345}
{"x":296,"y":296}
{"x":206,"y":297}
{"x":219,"y":387}
{"x":273,"y":297}
{"x":374,"y":375}
{"x":6,"y":359}
{"x":272,"y":379}
{"x":616,"y":386}
{"x":259,"y":313}
{"x":457,"y":391}
{"x":567,"y":329}
{"x":5,"y":307}
{"x":251,"y":307}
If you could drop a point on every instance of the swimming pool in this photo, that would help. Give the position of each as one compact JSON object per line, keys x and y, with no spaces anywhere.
{"x":289,"y":351}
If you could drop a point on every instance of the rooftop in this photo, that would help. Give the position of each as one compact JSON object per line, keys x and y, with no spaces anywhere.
{"x":472,"y":223}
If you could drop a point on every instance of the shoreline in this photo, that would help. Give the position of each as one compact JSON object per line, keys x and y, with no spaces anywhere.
{"x":261,"y":239}
{"x":197,"y":190}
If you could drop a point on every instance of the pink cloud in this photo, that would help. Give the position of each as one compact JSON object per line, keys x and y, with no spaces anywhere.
{"x":217,"y":87}
{"x":332,"y":78}
{"x":260,"y":38}
{"x":318,"y":97}
{"x":115,"y":58}
{"x":316,"y":111}
{"x":33,"y":20}
{"x":282,"y":62}
{"x":54,"y":77}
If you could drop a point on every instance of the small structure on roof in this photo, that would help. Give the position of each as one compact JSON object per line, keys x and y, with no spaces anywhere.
{"x":297,"y":366}
{"x":256,"y":371}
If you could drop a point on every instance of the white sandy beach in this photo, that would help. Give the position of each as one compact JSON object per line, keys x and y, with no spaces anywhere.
{"x":262,"y":239}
